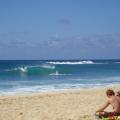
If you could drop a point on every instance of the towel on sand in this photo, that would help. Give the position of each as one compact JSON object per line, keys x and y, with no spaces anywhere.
{"x":108,"y":116}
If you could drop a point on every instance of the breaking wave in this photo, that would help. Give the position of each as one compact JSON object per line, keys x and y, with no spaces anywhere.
{"x":72,"y":63}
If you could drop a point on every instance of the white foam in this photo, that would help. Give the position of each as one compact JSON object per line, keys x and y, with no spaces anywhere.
{"x":13,"y":69}
{"x":48,"y":66}
{"x":23,"y":69}
{"x":27,"y":67}
{"x":54,"y":87}
{"x":72,"y":63}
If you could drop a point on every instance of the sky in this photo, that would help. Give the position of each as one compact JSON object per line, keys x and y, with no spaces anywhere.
{"x":59,"y":29}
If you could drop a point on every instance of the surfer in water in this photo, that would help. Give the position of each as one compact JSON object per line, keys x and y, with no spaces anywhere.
{"x":114,"y":101}
{"x":23,"y":69}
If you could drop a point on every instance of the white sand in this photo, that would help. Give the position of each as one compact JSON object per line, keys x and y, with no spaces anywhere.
{"x":70,"y":105}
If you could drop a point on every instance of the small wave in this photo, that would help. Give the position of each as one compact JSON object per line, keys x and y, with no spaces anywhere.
{"x":16,"y":69}
{"x":57,"y":73}
{"x":12,"y":69}
{"x":72,"y":63}
{"x":52,"y":88}
{"x":48,"y":66}
{"x":42,"y":66}
{"x":29,"y":67}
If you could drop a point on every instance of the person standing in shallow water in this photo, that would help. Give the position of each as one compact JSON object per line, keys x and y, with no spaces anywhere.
{"x":112,"y":100}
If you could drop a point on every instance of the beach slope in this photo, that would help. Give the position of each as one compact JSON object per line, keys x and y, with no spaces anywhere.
{"x":67,"y":105}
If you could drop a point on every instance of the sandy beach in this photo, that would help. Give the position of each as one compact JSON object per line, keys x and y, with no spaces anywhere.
{"x":67,"y":105}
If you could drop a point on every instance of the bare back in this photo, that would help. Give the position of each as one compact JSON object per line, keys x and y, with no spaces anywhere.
{"x":115,"y":102}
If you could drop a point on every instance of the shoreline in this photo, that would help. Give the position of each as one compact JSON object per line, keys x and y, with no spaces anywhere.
{"x":55,"y":90}
{"x":63,"y":105}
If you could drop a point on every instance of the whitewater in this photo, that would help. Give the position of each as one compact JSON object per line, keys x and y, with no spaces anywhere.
{"x":26,"y":76}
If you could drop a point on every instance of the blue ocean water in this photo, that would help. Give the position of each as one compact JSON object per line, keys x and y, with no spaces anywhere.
{"x":24,"y":76}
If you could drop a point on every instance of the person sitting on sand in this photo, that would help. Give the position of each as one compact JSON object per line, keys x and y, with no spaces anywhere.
{"x":113,"y":100}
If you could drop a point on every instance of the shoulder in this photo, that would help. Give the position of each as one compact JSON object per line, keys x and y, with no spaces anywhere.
{"x":112,"y":99}
{"x":118,"y":98}
{"x":109,"y":101}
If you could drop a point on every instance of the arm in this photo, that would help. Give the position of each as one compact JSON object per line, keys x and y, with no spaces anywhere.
{"x":103,"y":107}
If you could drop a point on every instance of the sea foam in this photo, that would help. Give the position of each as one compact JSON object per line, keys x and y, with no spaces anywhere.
{"x":72,"y":63}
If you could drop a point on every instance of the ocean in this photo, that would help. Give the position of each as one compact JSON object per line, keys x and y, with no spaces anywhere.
{"x":29,"y":76}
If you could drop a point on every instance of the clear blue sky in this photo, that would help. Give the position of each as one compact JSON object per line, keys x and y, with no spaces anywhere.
{"x":59,"y":29}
